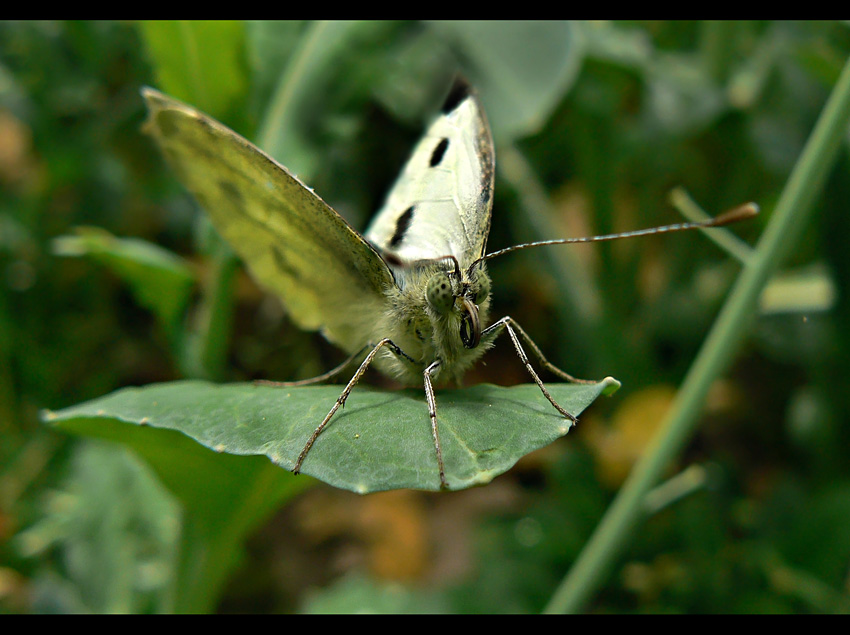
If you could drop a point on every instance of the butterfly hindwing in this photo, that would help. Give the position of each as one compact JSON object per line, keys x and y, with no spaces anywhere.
{"x":440,"y":205}
{"x":292,"y":241}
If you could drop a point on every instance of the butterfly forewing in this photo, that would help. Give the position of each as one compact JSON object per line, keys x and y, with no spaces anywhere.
{"x":440,"y":205}
{"x":293,"y":242}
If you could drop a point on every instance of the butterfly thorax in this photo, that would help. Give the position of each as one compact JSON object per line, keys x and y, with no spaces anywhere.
{"x":435,"y":315}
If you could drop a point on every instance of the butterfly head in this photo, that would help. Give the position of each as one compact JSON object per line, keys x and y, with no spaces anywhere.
{"x":460,"y":301}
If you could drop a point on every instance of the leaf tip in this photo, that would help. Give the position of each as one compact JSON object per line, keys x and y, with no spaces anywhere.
{"x":611,"y":386}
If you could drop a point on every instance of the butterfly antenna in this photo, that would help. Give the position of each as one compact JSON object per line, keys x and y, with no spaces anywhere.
{"x":742,"y":212}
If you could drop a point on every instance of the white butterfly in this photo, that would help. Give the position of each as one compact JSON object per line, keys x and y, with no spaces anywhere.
{"x":413,"y":294}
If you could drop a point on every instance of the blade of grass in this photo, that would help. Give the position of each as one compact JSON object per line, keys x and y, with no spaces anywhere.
{"x":793,"y":211}
{"x":208,"y":342}
{"x":724,"y":238}
{"x":319,"y":48}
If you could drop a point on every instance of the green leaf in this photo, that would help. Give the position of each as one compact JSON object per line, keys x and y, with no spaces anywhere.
{"x":269,"y":45}
{"x":521,"y":68}
{"x":362,"y":594}
{"x":115,"y":529}
{"x":308,"y":87}
{"x":198,"y":61}
{"x":381,"y":440}
{"x":160,"y":280}
{"x":225,"y":496}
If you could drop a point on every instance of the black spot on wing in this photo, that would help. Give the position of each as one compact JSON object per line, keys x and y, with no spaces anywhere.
{"x":392,"y":259}
{"x":460,"y":90}
{"x":401,"y":227}
{"x":439,"y":152}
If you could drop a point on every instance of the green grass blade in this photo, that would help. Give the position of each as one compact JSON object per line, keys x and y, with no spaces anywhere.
{"x":793,"y":211}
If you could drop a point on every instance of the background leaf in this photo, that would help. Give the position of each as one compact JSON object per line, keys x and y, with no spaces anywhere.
{"x":160,"y":279}
{"x":115,"y":531}
{"x":199,"y":61}
{"x":520,"y":84}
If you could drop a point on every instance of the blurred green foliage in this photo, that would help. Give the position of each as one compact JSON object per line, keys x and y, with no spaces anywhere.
{"x":595,"y":123}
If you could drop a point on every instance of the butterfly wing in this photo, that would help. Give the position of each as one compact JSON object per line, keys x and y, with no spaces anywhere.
{"x":293,"y":243}
{"x":441,"y":203}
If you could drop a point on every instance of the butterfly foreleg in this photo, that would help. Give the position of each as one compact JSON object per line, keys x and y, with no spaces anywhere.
{"x":340,"y":401}
{"x":536,"y":349}
{"x":432,"y":413}
{"x":510,"y":325}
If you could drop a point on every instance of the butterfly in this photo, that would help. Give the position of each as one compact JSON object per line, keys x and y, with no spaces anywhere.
{"x":411,"y":295}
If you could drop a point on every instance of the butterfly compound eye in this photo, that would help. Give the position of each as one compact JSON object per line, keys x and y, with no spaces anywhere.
{"x":470,"y":327}
{"x":439,"y":293}
{"x":483,"y":289}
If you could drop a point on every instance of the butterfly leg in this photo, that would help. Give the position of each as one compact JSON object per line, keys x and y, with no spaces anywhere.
{"x":341,"y":399}
{"x":496,"y":328}
{"x":432,"y":413}
{"x":313,"y":380}
{"x":509,"y":324}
